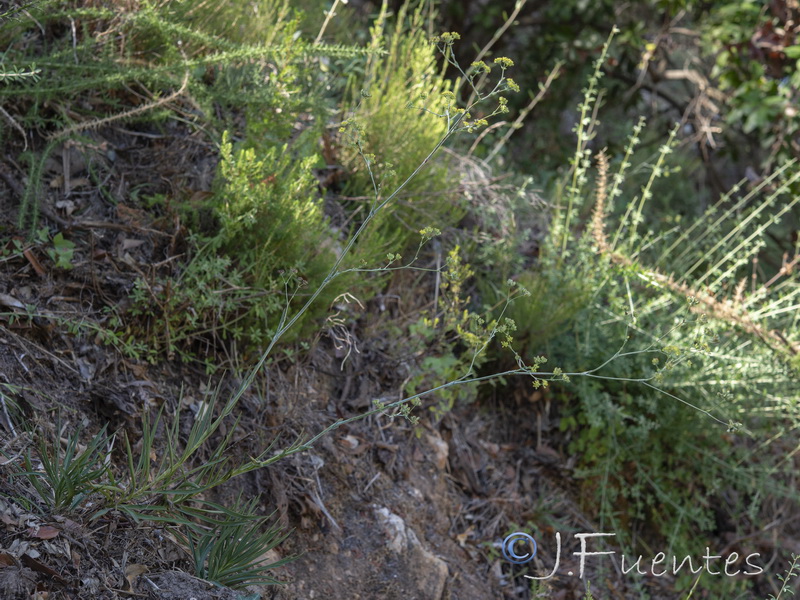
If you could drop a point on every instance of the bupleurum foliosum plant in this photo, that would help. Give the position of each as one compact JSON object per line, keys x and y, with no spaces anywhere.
{"x":171,"y":488}
{"x":662,"y":354}
{"x":476,"y":331}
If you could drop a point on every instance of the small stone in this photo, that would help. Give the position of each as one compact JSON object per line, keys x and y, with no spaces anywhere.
{"x":441,"y":450}
{"x":428,"y":572}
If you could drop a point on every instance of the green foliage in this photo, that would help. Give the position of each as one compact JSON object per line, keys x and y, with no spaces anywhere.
{"x":588,"y":595}
{"x":15,"y":73}
{"x":397,"y":106}
{"x":786,"y":579}
{"x":558,"y":295}
{"x":567,"y":33}
{"x":250,"y":23}
{"x":231,"y":553}
{"x":167,"y":49}
{"x":443,"y":338}
{"x":273,"y":241}
{"x":62,"y":252}
{"x":227,"y":543}
{"x":696,"y":345}
{"x":272,"y":220}
{"x":757,"y":65}
{"x":67,"y":475}
{"x":648,"y":459}
{"x":174,"y":49}
{"x":191,"y":315}
{"x":178,"y":476}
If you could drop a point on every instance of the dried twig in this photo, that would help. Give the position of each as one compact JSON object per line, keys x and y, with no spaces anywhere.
{"x":97,"y":123}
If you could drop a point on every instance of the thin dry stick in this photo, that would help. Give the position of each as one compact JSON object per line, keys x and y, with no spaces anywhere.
{"x":7,"y":416}
{"x":15,"y":125}
{"x":328,"y":17}
{"x":504,"y":27}
{"x":438,"y":247}
{"x":96,"y":123}
{"x":497,"y":35}
{"x":523,"y":114}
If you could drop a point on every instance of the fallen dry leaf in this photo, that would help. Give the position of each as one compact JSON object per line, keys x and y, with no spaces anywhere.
{"x":462,"y":538}
{"x":68,"y":206}
{"x":45,"y":532}
{"x":40,"y":567}
{"x":9,"y":520}
{"x":37,"y":266}
{"x":133,"y":571}
{"x":127,"y":244}
{"x":11,"y":302}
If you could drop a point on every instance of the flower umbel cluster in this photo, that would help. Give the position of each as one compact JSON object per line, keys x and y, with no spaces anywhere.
{"x":461,"y":119}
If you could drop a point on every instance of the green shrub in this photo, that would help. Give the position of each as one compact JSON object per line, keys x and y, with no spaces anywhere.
{"x":399,"y":136}
{"x":666,"y":339}
{"x":272,"y":241}
{"x":272,"y":221}
{"x":195,"y":313}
